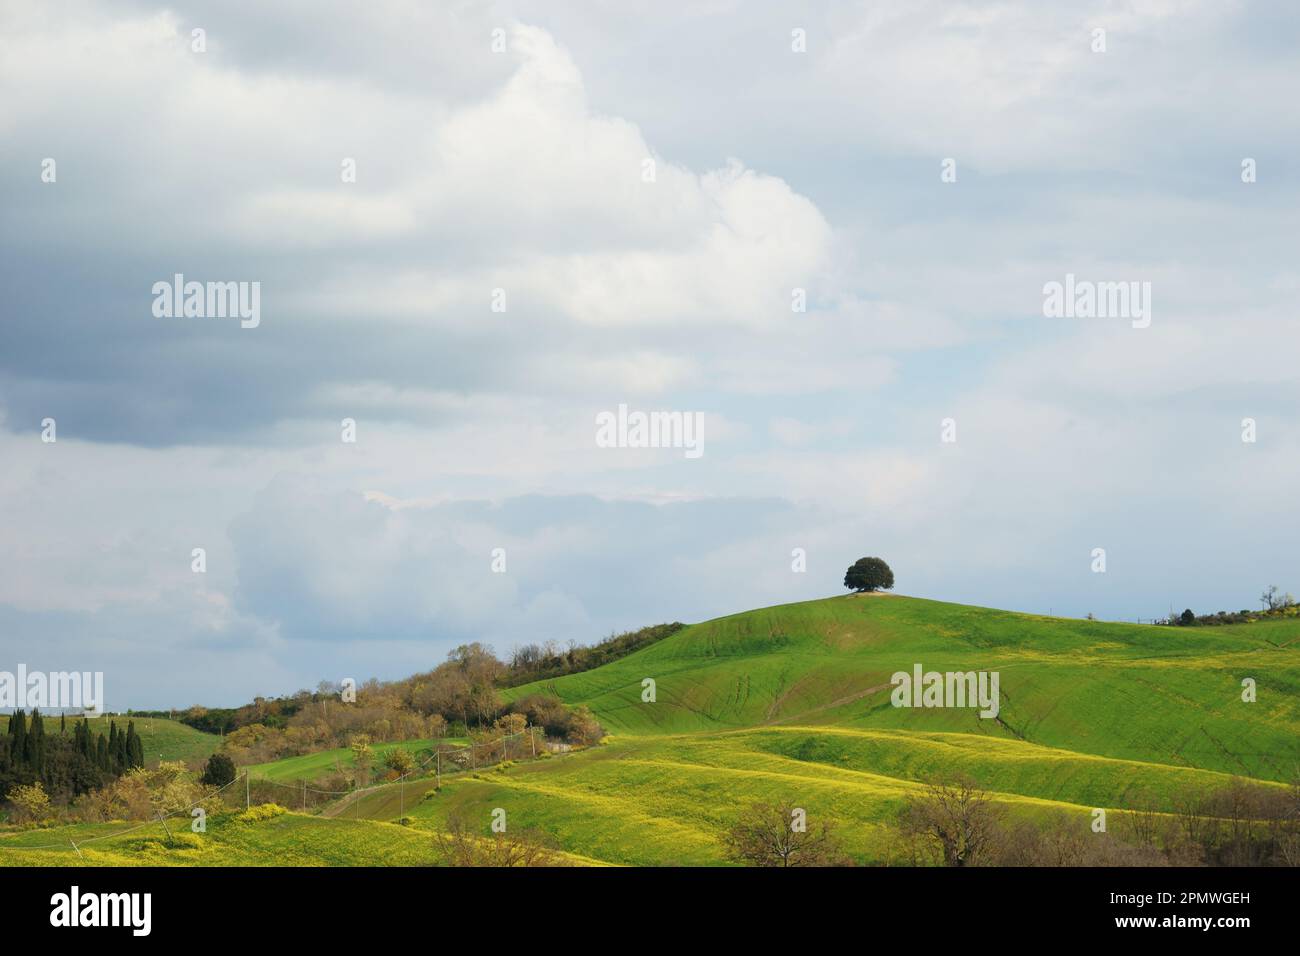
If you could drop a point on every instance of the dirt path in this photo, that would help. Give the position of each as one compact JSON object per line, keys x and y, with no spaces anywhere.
{"x":839,"y":702}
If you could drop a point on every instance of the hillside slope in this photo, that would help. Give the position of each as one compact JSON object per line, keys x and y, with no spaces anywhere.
{"x":1145,"y":693}
{"x":791,"y":704}
{"x":163,"y":739}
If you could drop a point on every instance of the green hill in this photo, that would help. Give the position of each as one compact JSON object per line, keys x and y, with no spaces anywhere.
{"x":315,"y":765}
{"x":163,"y":739}
{"x":1147,"y":693}
{"x":287,"y":839}
{"x":792,"y":703}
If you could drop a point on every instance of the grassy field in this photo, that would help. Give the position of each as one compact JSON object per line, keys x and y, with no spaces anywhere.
{"x":314,"y":766}
{"x":1153,"y":694}
{"x":288,"y":839}
{"x":163,"y":739}
{"x":792,"y":703}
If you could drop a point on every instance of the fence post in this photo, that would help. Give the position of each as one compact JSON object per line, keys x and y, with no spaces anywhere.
{"x":247,"y":800}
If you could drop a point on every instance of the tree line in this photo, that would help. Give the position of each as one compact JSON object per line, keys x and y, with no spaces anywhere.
{"x":546,"y":661}
{"x":953,"y":821}
{"x":64,"y":764}
{"x":463,"y":694}
{"x":1273,"y":604}
{"x":461,"y":697}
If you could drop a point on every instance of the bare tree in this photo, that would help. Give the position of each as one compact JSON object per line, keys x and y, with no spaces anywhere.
{"x":769,"y":834}
{"x":1143,"y":819}
{"x":459,"y":845}
{"x":955,"y":818}
{"x":1269,"y":598}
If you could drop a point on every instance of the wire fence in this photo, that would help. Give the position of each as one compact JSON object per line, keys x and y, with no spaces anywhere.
{"x":477,"y":753}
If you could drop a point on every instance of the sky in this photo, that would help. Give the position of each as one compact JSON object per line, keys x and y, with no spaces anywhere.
{"x":561,"y":208}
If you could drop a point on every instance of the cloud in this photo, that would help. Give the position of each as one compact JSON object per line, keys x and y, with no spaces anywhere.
{"x":525,"y":171}
{"x":523,"y":189}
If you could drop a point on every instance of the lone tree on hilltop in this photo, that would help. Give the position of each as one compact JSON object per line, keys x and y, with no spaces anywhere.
{"x":869,"y":574}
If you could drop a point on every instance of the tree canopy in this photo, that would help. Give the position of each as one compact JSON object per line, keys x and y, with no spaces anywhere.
{"x":869,"y":574}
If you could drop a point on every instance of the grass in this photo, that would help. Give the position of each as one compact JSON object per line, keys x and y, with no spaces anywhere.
{"x":1169,"y":695}
{"x":163,"y":739}
{"x":314,"y":766}
{"x":287,"y":839}
{"x":792,"y":703}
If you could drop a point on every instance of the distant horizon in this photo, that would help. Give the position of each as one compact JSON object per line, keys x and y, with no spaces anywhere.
{"x":891,"y":593}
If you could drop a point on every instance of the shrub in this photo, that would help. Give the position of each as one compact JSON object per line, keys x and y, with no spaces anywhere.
{"x":583,"y":727}
{"x":263,"y":811}
{"x":399,"y":760}
{"x":219,"y":771}
{"x":31,"y":804}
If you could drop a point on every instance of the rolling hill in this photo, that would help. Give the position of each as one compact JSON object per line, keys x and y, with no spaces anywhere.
{"x":312,"y":766}
{"x":793,"y":703}
{"x":1136,"y":692}
{"x":163,"y":739}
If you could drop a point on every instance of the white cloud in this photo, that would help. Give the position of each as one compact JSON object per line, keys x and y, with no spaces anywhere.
{"x":523,"y":171}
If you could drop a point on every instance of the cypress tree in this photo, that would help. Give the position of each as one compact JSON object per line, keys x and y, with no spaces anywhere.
{"x":18,"y":731}
{"x":87,"y":741}
{"x":134,"y":747}
{"x":36,"y":743}
{"x":121,"y":758}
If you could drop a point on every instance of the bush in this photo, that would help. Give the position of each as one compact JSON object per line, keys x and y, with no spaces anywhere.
{"x":399,"y":760}
{"x":263,"y":811}
{"x":31,"y":804}
{"x":219,"y":771}
{"x":179,"y":840}
{"x":583,"y":727}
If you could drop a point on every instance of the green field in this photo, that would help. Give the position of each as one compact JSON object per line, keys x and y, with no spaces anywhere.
{"x":289,"y":839}
{"x":792,"y":703}
{"x":163,"y":739}
{"x":313,"y":766}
